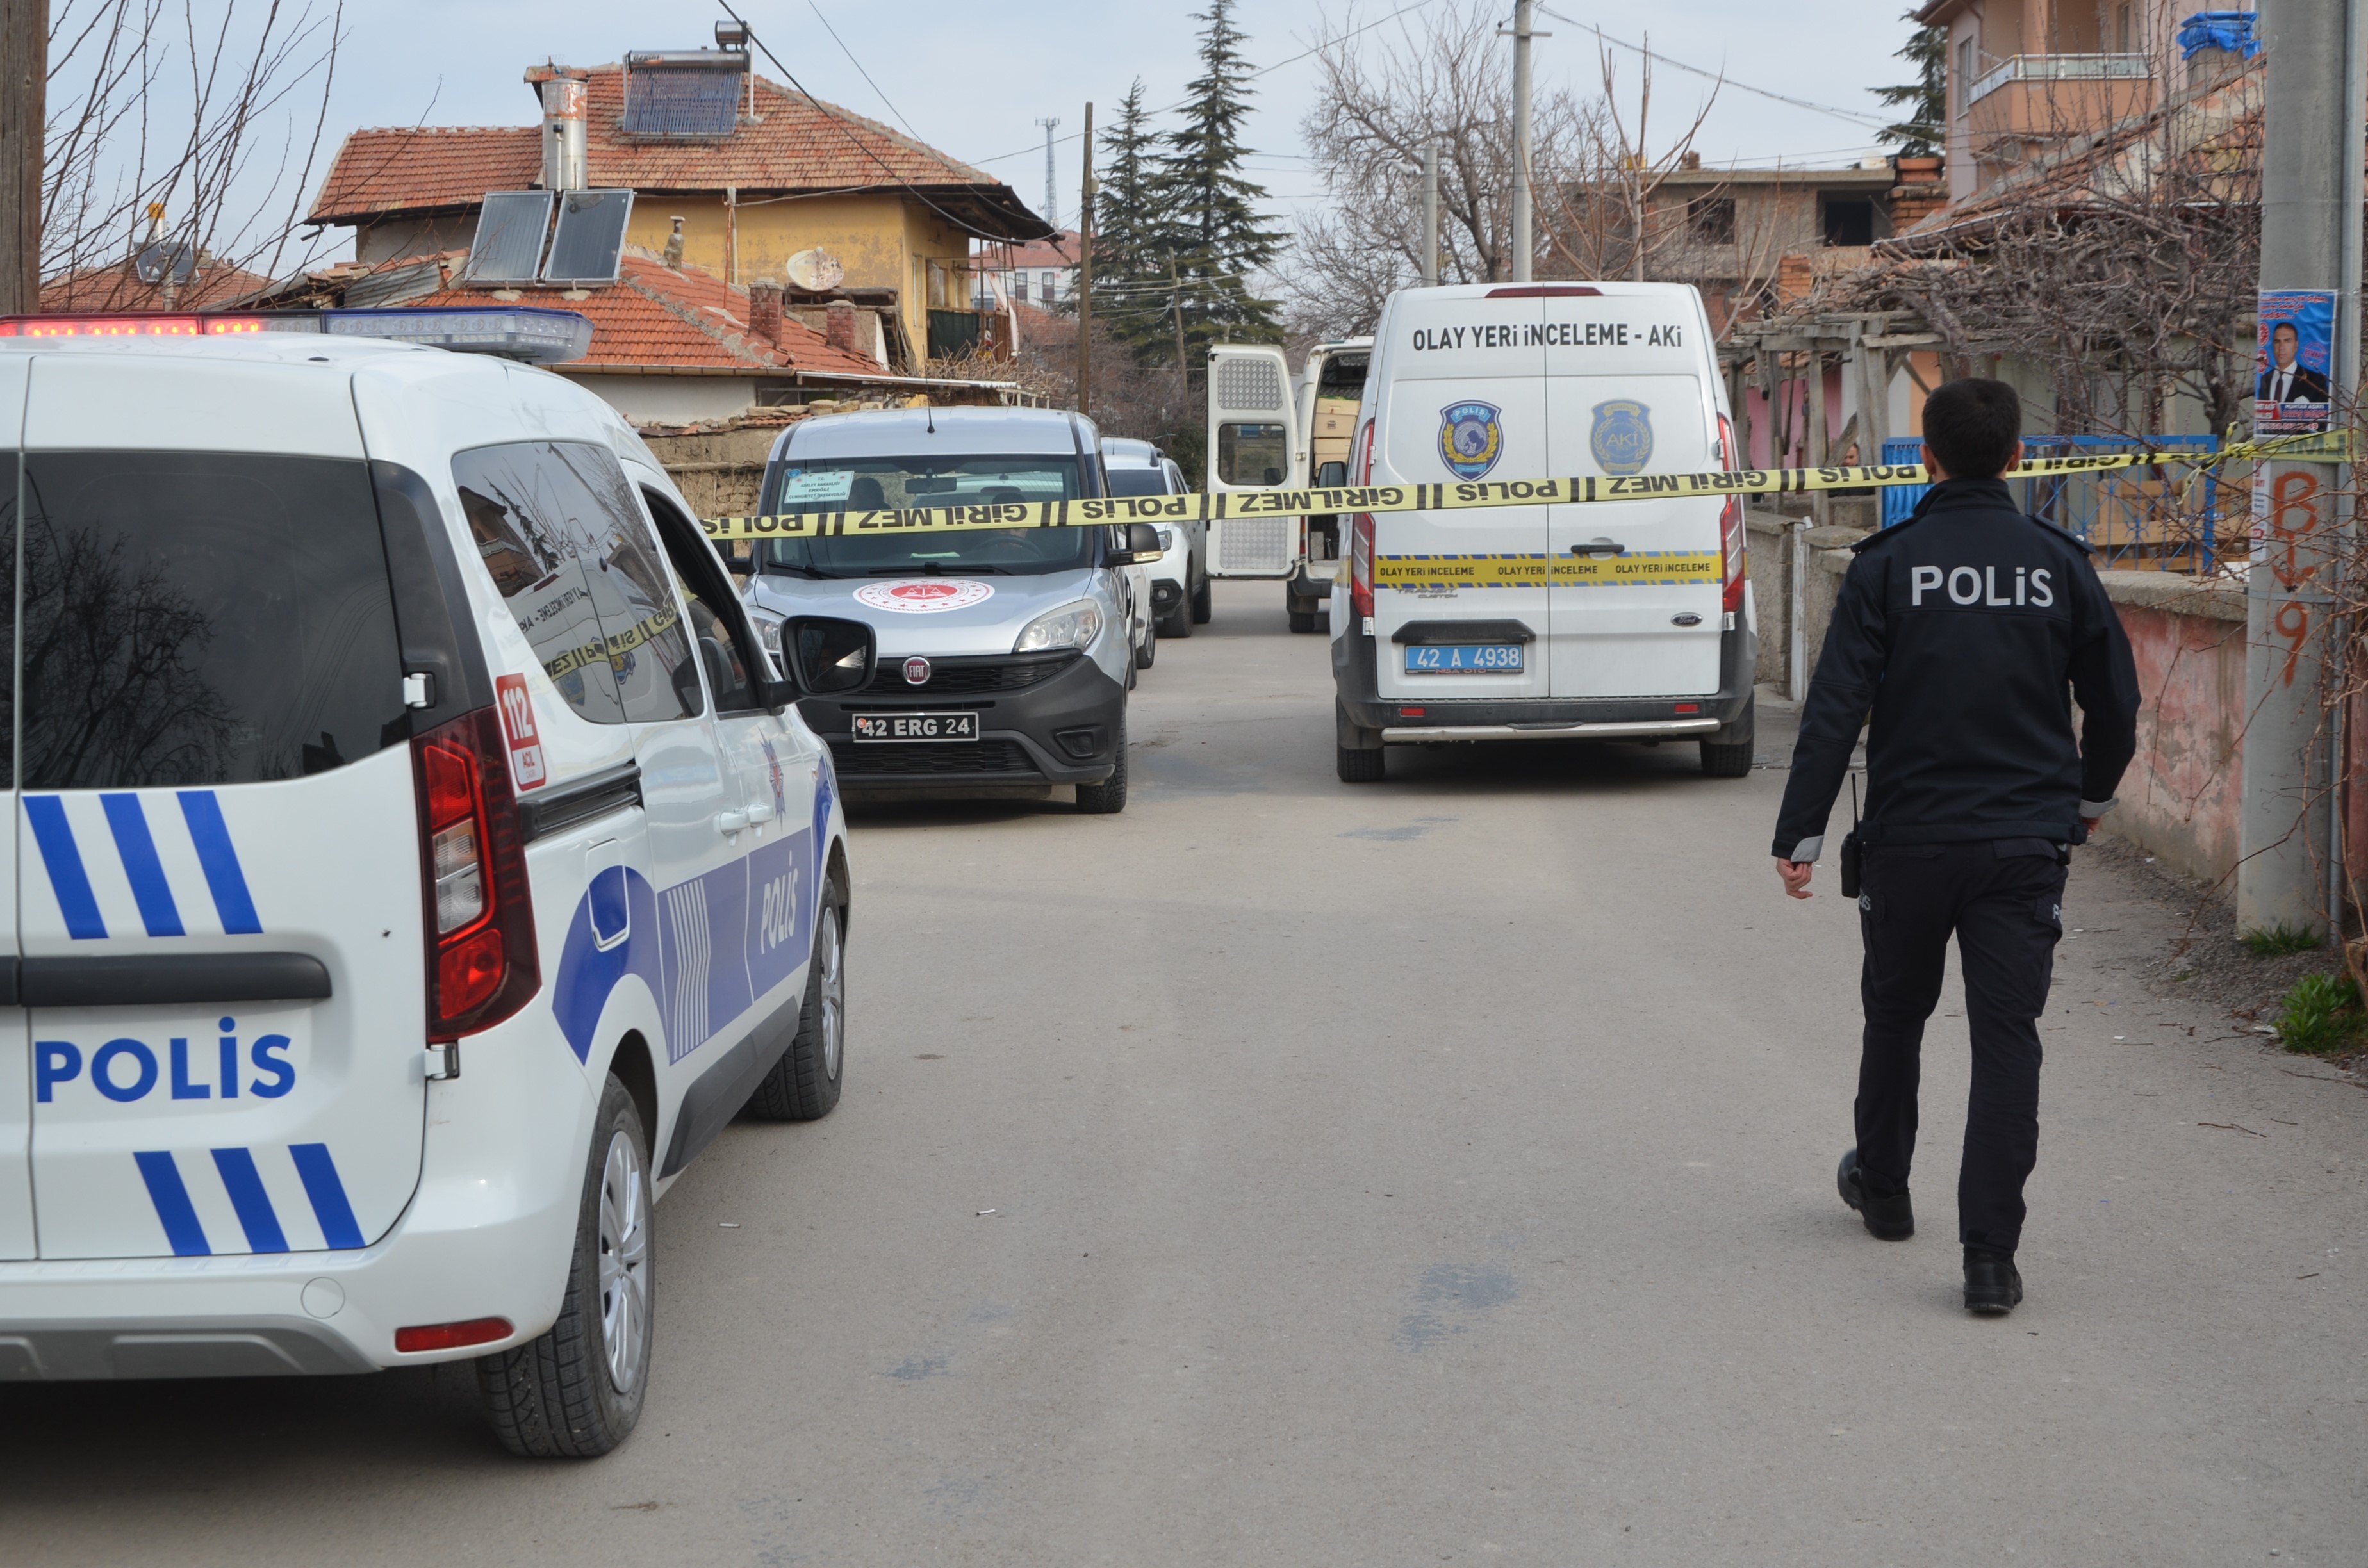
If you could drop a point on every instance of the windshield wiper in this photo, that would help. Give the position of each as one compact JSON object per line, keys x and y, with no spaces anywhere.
{"x":936,"y":568}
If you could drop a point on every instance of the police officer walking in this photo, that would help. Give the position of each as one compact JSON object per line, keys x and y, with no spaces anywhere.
{"x":1964,"y":631}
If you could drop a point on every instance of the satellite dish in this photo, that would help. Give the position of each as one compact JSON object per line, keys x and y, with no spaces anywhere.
{"x":156,"y":262}
{"x":815,"y":272}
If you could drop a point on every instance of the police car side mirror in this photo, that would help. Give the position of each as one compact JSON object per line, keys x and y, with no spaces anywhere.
{"x":1141,"y":548}
{"x":827,"y":656}
{"x":1333,"y":475}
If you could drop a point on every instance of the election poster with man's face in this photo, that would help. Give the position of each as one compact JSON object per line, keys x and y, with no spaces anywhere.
{"x":2293,"y":373}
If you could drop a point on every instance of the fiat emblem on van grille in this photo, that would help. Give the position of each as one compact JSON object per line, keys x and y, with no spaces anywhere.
{"x":917,"y":671}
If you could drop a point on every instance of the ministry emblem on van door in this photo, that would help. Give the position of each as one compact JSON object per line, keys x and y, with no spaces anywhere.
{"x":1470,"y":440}
{"x":1622,"y":437}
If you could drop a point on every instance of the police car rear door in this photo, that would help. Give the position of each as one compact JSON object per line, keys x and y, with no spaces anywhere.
{"x":15,"y":1068}
{"x":218,"y":874}
{"x":1462,"y":400}
{"x":1254,"y":444}
{"x":1627,"y":391}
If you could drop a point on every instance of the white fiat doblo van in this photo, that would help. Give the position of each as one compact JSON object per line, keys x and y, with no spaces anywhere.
{"x":414,"y":862}
{"x":1489,"y":382}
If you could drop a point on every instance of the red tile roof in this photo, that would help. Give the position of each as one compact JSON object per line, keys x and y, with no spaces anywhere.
{"x":662,"y":321}
{"x":794,"y":143}
{"x":425,"y":168}
{"x":119,"y":288}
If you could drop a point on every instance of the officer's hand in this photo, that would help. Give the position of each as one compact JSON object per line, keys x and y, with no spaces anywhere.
{"x":1796,"y":875}
{"x":2092,"y":824}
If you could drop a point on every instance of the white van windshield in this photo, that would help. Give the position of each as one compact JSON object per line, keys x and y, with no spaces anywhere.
{"x":873,"y":484}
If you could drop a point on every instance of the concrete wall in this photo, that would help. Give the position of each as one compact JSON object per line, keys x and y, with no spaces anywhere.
{"x":719,"y":472}
{"x":2180,"y":798}
{"x":670,"y":399}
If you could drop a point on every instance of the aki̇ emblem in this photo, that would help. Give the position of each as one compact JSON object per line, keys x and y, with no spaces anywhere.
{"x":1470,"y":440}
{"x":1622,"y":437}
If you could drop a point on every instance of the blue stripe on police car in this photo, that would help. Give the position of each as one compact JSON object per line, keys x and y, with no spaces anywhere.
{"x":133,"y":838}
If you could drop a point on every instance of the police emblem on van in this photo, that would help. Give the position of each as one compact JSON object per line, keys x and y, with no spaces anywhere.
{"x":1622,"y":437}
{"x":1470,"y":440}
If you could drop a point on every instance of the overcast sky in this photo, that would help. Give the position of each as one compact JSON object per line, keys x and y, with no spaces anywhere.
{"x":971,"y":79}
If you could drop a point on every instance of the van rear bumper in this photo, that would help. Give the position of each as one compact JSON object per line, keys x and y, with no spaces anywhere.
{"x":1368,"y":720}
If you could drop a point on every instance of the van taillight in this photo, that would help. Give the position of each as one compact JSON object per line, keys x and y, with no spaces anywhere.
{"x":1734,"y":570}
{"x":1360,"y":565}
{"x":482,"y":965}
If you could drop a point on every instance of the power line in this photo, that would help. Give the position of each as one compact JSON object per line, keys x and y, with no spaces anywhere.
{"x":1293,"y":60}
{"x":853,"y":139}
{"x":858,"y":65}
{"x":1871,"y":120}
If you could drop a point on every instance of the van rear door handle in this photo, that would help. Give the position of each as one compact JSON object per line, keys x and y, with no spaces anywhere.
{"x":1599,"y":546}
{"x":731,"y":823}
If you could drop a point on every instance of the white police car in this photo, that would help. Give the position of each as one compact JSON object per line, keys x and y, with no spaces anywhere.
{"x":416,"y":861}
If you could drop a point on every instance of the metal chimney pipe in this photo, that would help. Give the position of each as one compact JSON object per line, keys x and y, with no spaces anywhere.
{"x":565,"y":155}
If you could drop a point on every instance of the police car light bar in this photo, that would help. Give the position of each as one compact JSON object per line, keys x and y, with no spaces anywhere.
{"x":535,"y":334}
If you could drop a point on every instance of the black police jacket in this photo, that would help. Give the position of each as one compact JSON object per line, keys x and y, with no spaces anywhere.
{"x":1967,"y":632}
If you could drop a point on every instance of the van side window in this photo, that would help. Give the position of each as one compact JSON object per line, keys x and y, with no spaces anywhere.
{"x":202,"y":617}
{"x":1253,"y":454}
{"x":717,"y":627}
{"x":557,"y":528}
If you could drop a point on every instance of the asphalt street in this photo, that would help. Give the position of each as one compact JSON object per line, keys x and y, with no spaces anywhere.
{"x":1284,"y":1172}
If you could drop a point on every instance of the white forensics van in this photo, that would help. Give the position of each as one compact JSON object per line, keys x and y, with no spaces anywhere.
{"x":414,"y":863}
{"x":1456,"y":624}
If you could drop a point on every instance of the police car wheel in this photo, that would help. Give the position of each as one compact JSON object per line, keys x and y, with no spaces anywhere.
{"x":804,"y":1084}
{"x":1109,"y":795}
{"x":1147,"y":649}
{"x":577,"y":1392}
{"x":1203,"y":604}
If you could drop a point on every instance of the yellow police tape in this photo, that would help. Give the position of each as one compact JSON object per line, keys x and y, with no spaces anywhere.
{"x":1466,"y":495}
{"x":1634,"y":568}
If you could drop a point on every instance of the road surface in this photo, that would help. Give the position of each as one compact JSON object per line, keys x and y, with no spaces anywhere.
{"x":1438,"y":1170}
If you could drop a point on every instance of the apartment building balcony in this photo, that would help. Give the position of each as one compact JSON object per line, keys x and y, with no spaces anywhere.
{"x":2037,"y":97}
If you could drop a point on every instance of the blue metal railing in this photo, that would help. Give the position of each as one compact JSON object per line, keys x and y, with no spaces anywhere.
{"x":2095,"y":505}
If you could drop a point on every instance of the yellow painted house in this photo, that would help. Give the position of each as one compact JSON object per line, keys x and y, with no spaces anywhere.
{"x":767,"y":184}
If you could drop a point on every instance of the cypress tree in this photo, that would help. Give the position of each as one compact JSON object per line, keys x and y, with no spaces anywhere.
{"x":1131,"y":241}
{"x":1210,"y":210}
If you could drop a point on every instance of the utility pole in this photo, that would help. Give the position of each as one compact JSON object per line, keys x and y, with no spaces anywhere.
{"x":1086,"y":275}
{"x":1524,"y":246}
{"x":1175,"y":288}
{"x":1051,"y":187}
{"x":1427,"y":265}
{"x":2310,"y":227}
{"x":24,"y":77}
{"x":1430,"y":214}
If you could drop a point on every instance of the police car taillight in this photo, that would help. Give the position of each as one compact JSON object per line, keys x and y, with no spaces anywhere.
{"x":1360,"y":532}
{"x":1733,"y":567}
{"x":451,"y":1335}
{"x":482,"y":965}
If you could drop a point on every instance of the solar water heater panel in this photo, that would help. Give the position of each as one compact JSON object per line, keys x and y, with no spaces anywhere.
{"x":591,"y":235}
{"x":510,"y":228}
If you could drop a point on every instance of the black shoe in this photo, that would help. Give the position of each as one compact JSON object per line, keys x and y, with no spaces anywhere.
{"x":1992,"y":1286}
{"x":1887,"y":1218}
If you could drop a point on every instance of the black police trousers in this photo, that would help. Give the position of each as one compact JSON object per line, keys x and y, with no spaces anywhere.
{"x":2004,"y":902}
